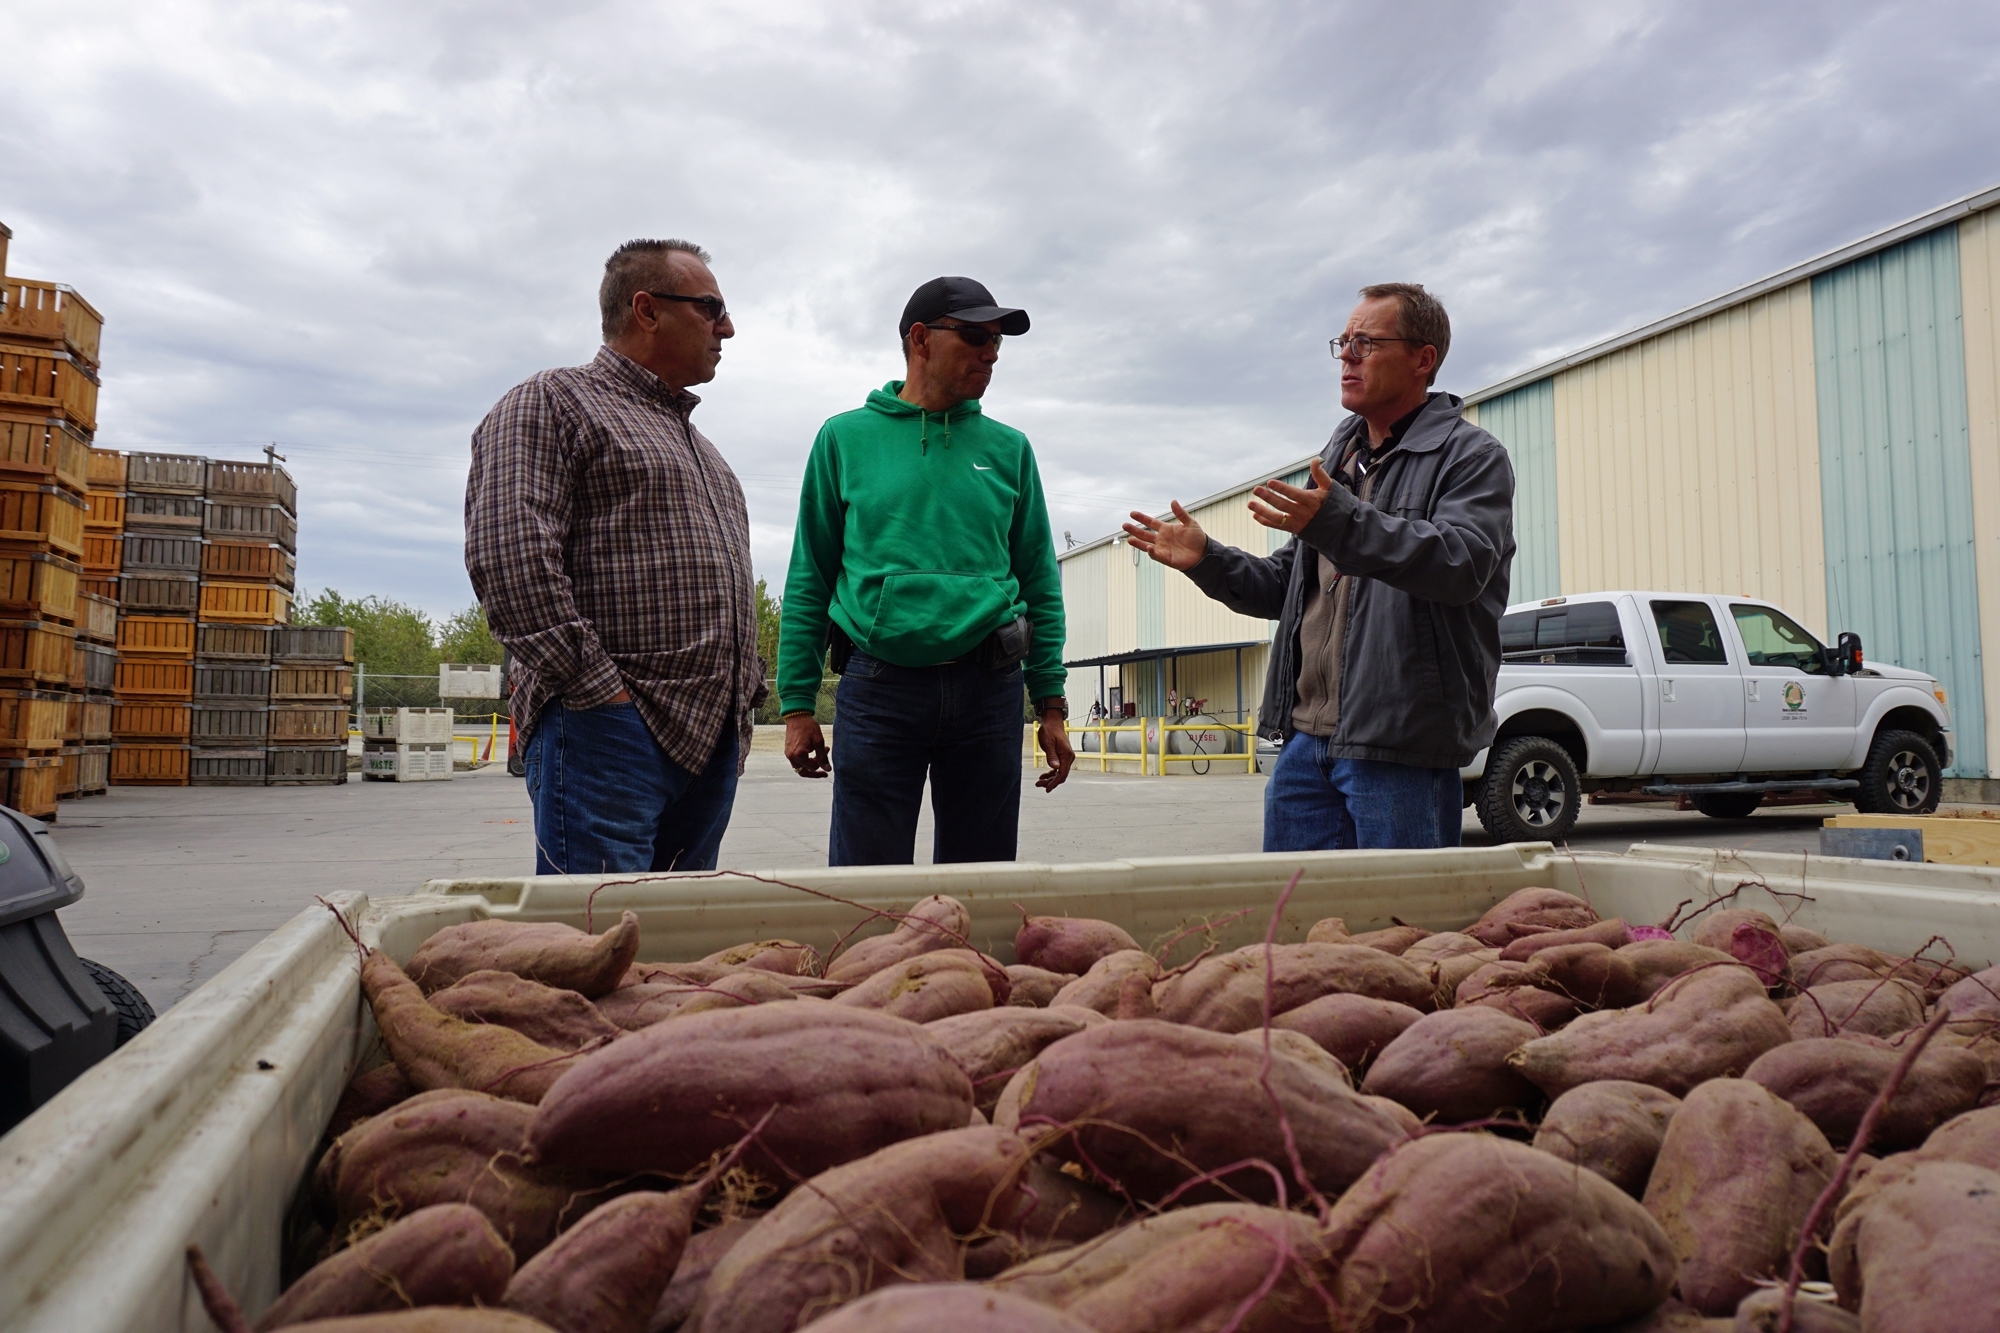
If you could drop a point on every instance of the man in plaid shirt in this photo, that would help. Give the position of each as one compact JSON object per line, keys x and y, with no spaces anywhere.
{"x":610,"y":545}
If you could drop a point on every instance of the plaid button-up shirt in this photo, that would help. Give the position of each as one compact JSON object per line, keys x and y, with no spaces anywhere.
{"x":610,"y":545}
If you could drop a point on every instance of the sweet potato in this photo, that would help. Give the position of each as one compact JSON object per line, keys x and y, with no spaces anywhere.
{"x":1715,"y":930}
{"x":930,"y":986}
{"x":1543,"y":1009}
{"x":1226,"y":993}
{"x":680,"y":974}
{"x":1762,"y":1311}
{"x":991,"y":1044}
{"x":430,"y":1319}
{"x":1328,"y":930}
{"x":1135,"y":997}
{"x":446,"y":1254}
{"x":1452,"y":1066}
{"x":785,"y":957}
{"x":962,"y":1307}
{"x":1068,"y":944}
{"x":1445,"y":944}
{"x":1259,"y":1274}
{"x":1973,"y":997}
{"x":1611,"y":1127}
{"x":1452,"y":971}
{"x":631,"y":1008}
{"x":1391,"y":939}
{"x":1098,"y":988}
{"x":548,"y":952}
{"x":1034,"y":987}
{"x":451,"y":1147}
{"x":699,"y":1257}
{"x":1591,"y":974}
{"x":1529,"y":912}
{"x":438,"y":1050}
{"x":1832,"y":1081}
{"x":1737,"y":1173}
{"x":1611,"y":934}
{"x":1060,"y":1211}
{"x":937,"y":922}
{"x":1353,"y":1029}
{"x":606,"y":1273}
{"x":367,"y":1094}
{"x":1656,"y":962}
{"x":1062,"y":1278}
{"x":561,"y":1020}
{"x":1147,"y":1135}
{"x":1467,"y":1231}
{"x":1799,"y":940}
{"x":1704,"y":1025}
{"x":1839,"y":962}
{"x":1290,"y":1045}
{"x":845,"y":1081}
{"x":1673,"y":1317}
{"x":1921,"y":1255}
{"x":1876,"y":1007}
{"x":893,"y":1216}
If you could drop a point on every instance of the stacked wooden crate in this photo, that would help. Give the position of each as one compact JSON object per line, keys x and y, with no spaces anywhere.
{"x":97,"y":615}
{"x":159,"y":589}
{"x":312,"y":682}
{"x":250,"y":534}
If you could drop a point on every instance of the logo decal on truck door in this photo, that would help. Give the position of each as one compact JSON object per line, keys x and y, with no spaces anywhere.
{"x":1795,"y":696}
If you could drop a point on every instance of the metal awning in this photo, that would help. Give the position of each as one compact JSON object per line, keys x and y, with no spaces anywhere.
{"x":1156,"y":654}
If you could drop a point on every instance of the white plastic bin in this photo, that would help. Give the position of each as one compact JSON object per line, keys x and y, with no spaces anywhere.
{"x":408,"y":726}
{"x":406,"y":763}
{"x":458,"y":680}
{"x":201,"y":1130}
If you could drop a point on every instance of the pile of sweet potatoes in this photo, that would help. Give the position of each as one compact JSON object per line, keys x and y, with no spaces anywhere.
{"x":1542,"y":1121}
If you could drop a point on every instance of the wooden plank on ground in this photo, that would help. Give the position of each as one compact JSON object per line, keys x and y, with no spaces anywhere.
{"x":1962,"y":840}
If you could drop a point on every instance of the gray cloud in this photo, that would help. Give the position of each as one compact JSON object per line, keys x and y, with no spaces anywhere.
{"x":348,"y":228}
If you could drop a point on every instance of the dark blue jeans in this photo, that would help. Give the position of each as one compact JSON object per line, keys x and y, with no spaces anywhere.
{"x":609,"y":801}
{"x":960,"y":725}
{"x":1316,"y":803}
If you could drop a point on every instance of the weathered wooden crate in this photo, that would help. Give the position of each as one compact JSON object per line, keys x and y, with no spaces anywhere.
{"x":313,"y":643}
{"x":44,"y":379}
{"x":96,"y":617}
{"x":100,"y":666}
{"x":157,"y":512}
{"x":95,"y":715}
{"x":165,"y":474}
{"x":306,"y":765}
{"x":234,"y":726}
{"x":104,"y":511}
{"x":293,"y":682}
{"x":99,"y":585}
{"x":246,"y":521}
{"x":31,"y":720}
{"x":51,"y":315}
{"x":154,"y":678}
{"x":247,"y":603}
{"x":249,"y":562}
{"x":257,"y":482}
{"x":42,"y":516}
{"x":159,"y":594}
{"x":231,"y":682}
{"x":36,"y":650}
{"x":37,"y":585}
{"x":34,"y":447}
{"x":79,"y":665}
{"x":72,"y":716}
{"x":93,"y":770}
{"x":308,"y":724}
{"x":156,"y":636}
{"x":226,"y":768}
{"x":158,"y":553}
{"x":241,"y":643}
{"x":149,"y":720}
{"x":106,"y":469}
{"x":28,"y":784}
{"x":150,"y":765}
{"x":66,"y":771}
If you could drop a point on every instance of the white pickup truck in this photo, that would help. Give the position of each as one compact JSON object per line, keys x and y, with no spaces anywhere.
{"x":1721,"y":699}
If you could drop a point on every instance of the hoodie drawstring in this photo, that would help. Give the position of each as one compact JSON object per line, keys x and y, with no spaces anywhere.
{"x":924,"y":433}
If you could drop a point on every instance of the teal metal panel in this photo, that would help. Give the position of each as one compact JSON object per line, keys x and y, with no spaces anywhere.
{"x":1525,"y":421}
{"x":1896,"y":470}
{"x":1152,"y":597}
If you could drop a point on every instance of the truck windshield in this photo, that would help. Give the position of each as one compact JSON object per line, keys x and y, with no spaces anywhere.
{"x":1772,"y":638}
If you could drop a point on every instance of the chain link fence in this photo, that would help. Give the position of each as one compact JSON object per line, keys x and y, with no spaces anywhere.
{"x":389,"y":690}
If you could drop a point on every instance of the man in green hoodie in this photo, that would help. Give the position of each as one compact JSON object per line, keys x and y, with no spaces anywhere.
{"x":923,"y":555}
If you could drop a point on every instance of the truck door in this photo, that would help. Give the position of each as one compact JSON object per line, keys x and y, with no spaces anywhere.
{"x":1701,"y":691}
{"x":1798,"y":717}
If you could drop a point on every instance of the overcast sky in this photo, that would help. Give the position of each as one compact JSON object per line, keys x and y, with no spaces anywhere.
{"x":348,"y":228}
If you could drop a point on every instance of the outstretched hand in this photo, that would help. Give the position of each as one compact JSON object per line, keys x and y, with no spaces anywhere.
{"x":1179,"y":544}
{"x":1281,"y":505}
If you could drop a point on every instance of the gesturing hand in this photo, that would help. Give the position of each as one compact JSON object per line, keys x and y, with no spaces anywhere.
{"x":1279,"y":504}
{"x":1178,"y":545}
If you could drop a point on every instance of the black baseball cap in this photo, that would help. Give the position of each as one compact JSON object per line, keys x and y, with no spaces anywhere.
{"x":961,"y":298}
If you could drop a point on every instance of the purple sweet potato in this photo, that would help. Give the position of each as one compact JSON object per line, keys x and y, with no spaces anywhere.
{"x":1443,"y":945}
{"x":1543,"y":1009}
{"x":699,"y":1257}
{"x":1762,"y":1311}
{"x":1737,"y":1173}
{"x":446,"y":1254}
{"x":1832,"y":1080}
{"x":1353,"y":1029}
{"x":1068,"y":944}
{"x":435,"y":1049}
{"x":1060,"y":1211}
{"x":679,"y":974}
{"x":1920,"y":1255}
{"x":1034,"y":987}
{"x":1973,"y":997}
{"x":561,"y":1020}
{"x":429,"y":1319}
{"x":991,"y":1044}
{"x":368,"y":1094}
{"x":1451,"y":1066}
{"x":1147,"y":1135}
{"x":1262,"y":1274}
{"x":1799,"y":940}
{"x":1099,"y":987}
{"x":1656,"y":962}
{"x":1288,"y":1045}
{"x":928,"y":987}
{"x":937,"y":922}
{"x":632,"y":1008}
{"x":893,"y":1216}
{"x":1226,"y":993}
{"x":1611,"y":1127}
{"x":1839,"y":962}
{"x":1451,"y":971}
{"x":1329,"y":930}
{"x":1714,"y":930}
{"x":1611,"y":934}
{"x":785,"y":957}
{"x":844,"y":1083}
{"x":606,"y":1273}
{"x":1467,"y":1231}
{"x":553,"y":954}
{"x":1704,"y":1025}
{"x":1390,"y":939}
{"x":1877,"y":1007}
{"x":1062,"y":1278}
{"x":1591,"y":974}
{"x":962,"y":1307}
{"x":1529,"y":912}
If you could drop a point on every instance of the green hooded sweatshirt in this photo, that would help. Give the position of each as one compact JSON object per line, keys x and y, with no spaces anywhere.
{"x":919,"y":534}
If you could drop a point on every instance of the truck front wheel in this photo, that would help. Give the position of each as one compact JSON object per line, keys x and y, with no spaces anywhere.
{"x":1530,"y":792}
{"x":1900,"y":777}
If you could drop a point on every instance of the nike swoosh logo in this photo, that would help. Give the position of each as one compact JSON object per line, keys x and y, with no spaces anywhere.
{"x":977,"y":468}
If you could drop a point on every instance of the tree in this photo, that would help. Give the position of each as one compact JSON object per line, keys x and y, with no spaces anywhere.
{"x":466,"y":638}
{"x":390,"y":637}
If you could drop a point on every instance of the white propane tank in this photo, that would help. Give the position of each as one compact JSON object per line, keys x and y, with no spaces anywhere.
{"x":1212,"y":738}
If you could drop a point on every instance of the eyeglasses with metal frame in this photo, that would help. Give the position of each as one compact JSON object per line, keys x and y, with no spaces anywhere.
{"x":712,"y":307}
{"x":1364,"y":344}
{"x":975,"y":335}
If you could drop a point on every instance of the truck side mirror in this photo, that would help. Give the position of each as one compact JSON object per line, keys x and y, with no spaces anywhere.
{"x":1847,"y":657}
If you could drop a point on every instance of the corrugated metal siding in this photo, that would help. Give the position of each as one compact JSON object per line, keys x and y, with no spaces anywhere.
{"x":1194,"y":618}
{"x":1979,"y":285}
{"x":1150,"y":578}
{"x":1121,"y":598}
{"x":1525,"y":421}
{"x":1084,"y":604}
{"x":1896,"y":472}
{"x":1691,"y":460}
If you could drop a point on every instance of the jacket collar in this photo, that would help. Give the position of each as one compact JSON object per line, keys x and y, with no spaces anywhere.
{"x":630,"y":373}
{"x":1429,"y":431}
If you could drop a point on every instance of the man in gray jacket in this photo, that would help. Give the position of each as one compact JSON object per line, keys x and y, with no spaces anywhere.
{"x":1388,"y":597}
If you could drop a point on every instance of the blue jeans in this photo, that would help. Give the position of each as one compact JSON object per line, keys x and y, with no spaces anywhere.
{"x":1315,"y":803}
{"x":609,"y":801}
{"x":960,"y":725}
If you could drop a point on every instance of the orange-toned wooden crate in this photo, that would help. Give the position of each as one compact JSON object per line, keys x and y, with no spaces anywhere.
{"x":72,"y":715}
{"x":99,"y":585}
{"x":37,"y":585}
{"x":48,"y":314}
{"x":106,"y":469}
{"x":154,"y":678}
{"x":103,"y":552}
{"x":148,"y":765}
{"x":42,"y":514}
{"x":246,"y":603}
{"x":104,"y":510}
{"x":156,"y":636}
{"x":43,"y":448}
{"x":249,"y":562}
{"x":302,"y":684}
{"x":150,"y":720}
{"x":30,"y":720}
{"x":37,"y":650}
{"x":44,"y":379}
{"x":29,"y":784}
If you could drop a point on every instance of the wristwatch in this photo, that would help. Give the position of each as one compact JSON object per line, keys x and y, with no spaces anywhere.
{"x":1056,"y":702}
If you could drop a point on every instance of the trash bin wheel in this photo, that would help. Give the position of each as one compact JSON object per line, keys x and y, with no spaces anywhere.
{"x":134,"y":1014}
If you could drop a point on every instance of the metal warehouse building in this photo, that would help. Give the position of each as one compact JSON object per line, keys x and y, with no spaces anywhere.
{"x":1827,"y":438}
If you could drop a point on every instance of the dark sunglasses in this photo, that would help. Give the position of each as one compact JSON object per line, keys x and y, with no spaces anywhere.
{"x":711,"y":306}
{"x":974,"y":335}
